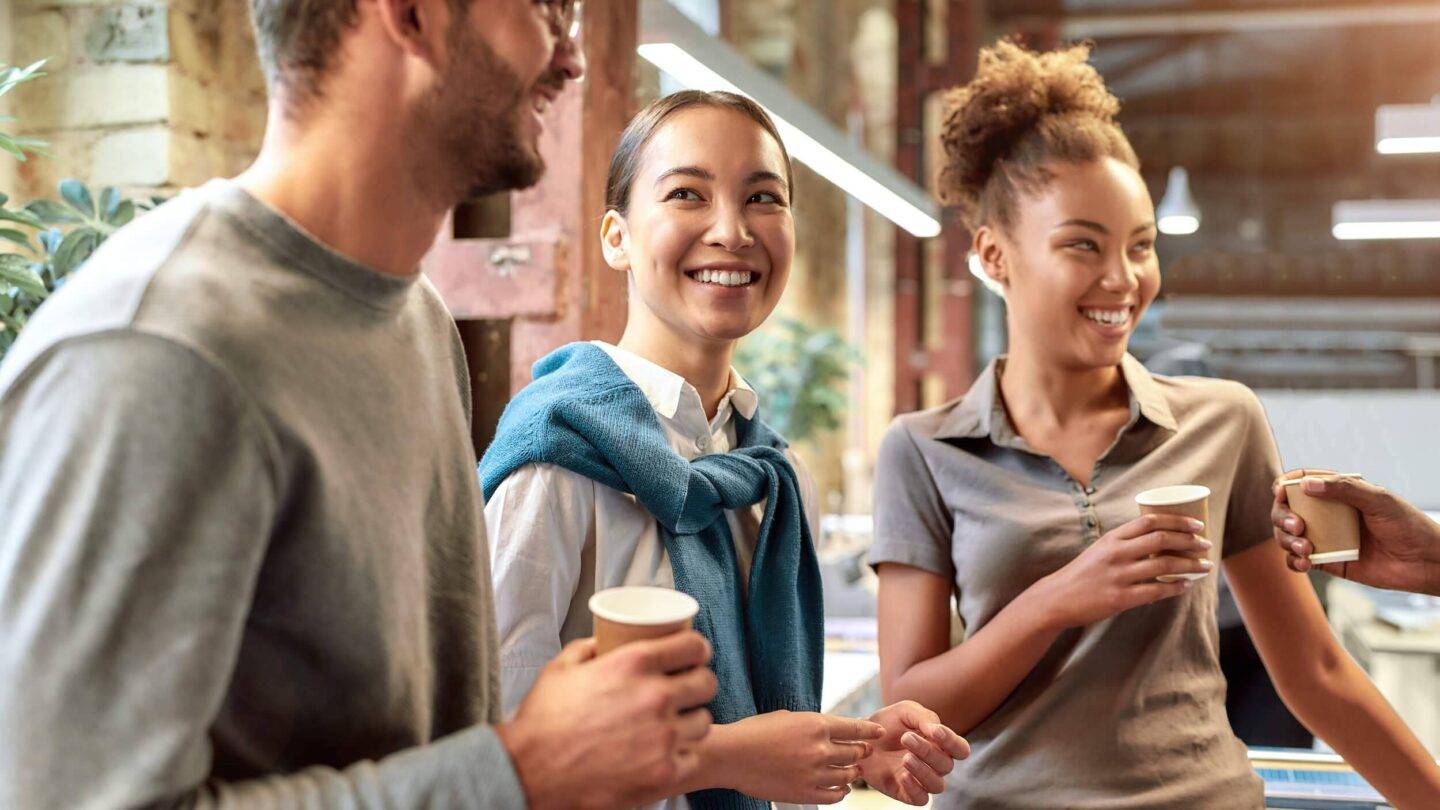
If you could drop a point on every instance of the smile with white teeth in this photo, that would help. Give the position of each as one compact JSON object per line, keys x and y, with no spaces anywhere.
{"x":541,"y":104}
{"x":1109,"y":317}
{"x":724,"y":278}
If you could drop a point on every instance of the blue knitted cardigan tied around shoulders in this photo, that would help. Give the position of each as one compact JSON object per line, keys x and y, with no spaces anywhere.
{"x":584,"y":414}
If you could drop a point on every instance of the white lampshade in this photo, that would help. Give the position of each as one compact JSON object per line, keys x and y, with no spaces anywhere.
{"x":1177,"y":213}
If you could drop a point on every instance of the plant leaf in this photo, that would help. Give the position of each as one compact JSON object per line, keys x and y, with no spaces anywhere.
{"x":15,"y":269}
{"x":73,"y":251}
{"x":123,"y":214}
{"x":23,"y":217}
{"x":18,"y":237}
{"x":109,"y":201}
{"x":50,"y":239}
{"x":52,"y":213}
{"x":78,"y":196}
{"x":9,"y":146}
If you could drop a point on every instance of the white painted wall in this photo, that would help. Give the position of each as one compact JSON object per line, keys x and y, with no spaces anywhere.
{"x":1390,"y":437}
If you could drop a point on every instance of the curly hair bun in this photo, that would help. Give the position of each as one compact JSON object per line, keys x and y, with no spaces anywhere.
{"x":1020,"y":101}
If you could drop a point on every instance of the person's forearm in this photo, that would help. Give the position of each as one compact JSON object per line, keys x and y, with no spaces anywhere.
{"x":1340,"y":704}
{"x":717,"y":753}
{"x":1432,"y":562}
{"x":965,"y":684}
{"x":467,"y":769}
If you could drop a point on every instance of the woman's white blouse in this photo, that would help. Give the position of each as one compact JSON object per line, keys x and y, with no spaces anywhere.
{"x":557,"y":537}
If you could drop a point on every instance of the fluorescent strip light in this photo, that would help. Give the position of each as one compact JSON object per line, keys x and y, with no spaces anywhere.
{"x":694,"y":58}
{"x":1387,"y":230}
{"x":693,"y":73}
{"x":1386,"y":219}
{"x":1407,"y":128}
{"x":1407,"y":146}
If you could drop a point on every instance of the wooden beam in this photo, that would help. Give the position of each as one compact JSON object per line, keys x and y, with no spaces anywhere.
{"x":916,"y":79}
{"x":1200,"y":19}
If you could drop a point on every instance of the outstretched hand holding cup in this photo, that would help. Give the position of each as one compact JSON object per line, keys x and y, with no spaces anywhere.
{"x":1399,"y":546}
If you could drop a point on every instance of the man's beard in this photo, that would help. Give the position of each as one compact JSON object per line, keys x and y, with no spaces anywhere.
{"x":475,"y":120}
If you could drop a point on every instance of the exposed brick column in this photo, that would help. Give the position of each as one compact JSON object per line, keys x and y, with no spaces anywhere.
{"x":148,"y":96}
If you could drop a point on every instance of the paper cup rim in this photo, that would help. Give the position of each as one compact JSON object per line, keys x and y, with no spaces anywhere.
{"x":1343,"y":555}
{"x":1173,"y":495}
{"x":678,"y":606}
{"x":1320,"y":477}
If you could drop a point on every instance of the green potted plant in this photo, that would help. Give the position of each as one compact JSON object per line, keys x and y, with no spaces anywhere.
{"x":800,"y":371}
{"x":45,"y":240}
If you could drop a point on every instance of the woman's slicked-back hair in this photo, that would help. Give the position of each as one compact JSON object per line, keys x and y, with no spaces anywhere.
{"x":1024,"y":110}
{"x":625,"y":163}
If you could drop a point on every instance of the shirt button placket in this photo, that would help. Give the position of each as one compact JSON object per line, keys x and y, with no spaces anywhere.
{"x":1087,"y":511}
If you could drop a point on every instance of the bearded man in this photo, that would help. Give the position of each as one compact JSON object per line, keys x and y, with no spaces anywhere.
{"x":242,"y":556}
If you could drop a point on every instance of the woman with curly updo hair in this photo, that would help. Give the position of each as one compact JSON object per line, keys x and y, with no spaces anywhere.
{"x":1087,"y":673}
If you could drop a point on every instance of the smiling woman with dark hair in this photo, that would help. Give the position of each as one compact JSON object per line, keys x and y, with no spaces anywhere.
{"x":1083,"y":679}
{"x":648,"y":463}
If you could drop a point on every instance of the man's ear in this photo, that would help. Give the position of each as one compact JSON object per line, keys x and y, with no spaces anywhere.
{"x":615,"y":240}
{"x":417,"y":27}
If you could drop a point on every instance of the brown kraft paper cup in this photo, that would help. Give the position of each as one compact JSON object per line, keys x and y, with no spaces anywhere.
{"x":1188,"y":500}
{"x":1333,"y":528}
{"x":635,"y":613}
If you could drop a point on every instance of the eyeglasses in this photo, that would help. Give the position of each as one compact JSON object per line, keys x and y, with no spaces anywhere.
{"x":563,"y":16}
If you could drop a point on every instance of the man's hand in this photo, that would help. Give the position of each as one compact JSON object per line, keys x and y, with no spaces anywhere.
{"x":910,"y":762}
{"x":617,"y":731}
{"x":1399,"y":544}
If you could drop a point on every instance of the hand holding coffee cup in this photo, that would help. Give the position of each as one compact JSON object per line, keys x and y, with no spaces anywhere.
{"x":632,"y":613}
{"x":1400,"y":545}
{"x":1121,"y":570}
{"x":590,"y":726}
{"x":1332,"y":527}
{"x":1185,"y":500}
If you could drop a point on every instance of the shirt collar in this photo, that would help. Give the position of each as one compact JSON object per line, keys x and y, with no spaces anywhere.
{"x":1145,"y":394}
{"x":980,"y":413}
{"x":665,"y":389}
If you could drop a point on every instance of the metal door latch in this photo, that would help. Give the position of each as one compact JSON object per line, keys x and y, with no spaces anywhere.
{"x":505,"y":258}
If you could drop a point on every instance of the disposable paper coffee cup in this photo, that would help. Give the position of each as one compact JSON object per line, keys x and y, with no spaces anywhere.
{"x":633,"y":613}
{"x":1333,"y":528}
{"x":1187,"y":500}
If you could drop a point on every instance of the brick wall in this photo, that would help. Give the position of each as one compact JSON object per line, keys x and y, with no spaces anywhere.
{"x":142,"y":95}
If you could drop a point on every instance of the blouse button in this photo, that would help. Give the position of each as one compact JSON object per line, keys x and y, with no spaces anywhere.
{"x":703,"y":443}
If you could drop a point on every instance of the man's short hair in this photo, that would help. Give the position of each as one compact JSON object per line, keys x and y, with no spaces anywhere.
{"x":297,"y":40}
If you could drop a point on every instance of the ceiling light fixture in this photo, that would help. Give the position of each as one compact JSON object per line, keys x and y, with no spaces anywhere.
{"x":1407,"y":129}
{"x":680,"y":48}
{"x":1177,"y":214}
{"x":1386,"y":219}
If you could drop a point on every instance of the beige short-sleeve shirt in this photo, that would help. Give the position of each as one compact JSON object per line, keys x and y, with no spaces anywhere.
{"x":1128,"y":712}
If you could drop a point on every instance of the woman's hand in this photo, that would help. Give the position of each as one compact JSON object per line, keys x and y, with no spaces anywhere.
{"x":791,"y":757}
{"x":910,"y":762}
{"x":1118,"y":572}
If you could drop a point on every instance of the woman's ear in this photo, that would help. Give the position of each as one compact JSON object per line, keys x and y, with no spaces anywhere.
{"x":615,"y":241}
{"x":992,"y":256}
